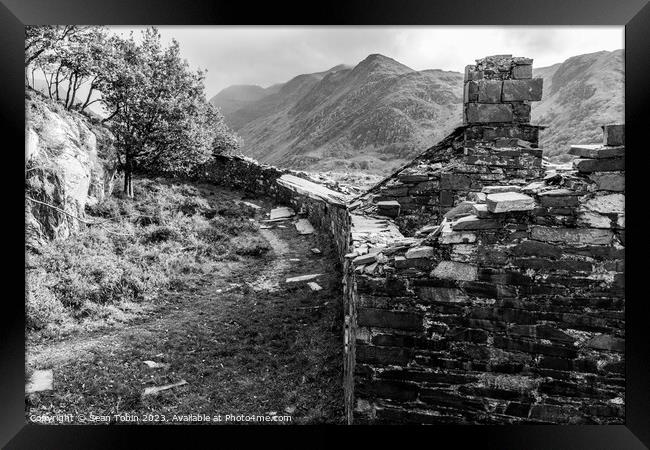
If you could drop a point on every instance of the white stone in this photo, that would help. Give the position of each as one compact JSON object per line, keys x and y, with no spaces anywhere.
{"x":593,"y":220}
{"x":314,"y":286}
{"x":456,"y":237}
{"x":451,"y":270}
{"x":281,"y":213}
{"x":304,"y":227}
{"x":509,"y":201}
{"x":499,"y":189}
{"x":419,"y":252}
{"x":303,"y":278}
{"x":610,"y":203}
{"x":463,"y":252}
{"x":41,"y":380}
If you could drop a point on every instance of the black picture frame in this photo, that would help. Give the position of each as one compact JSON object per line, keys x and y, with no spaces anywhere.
{"x":633,"y":14}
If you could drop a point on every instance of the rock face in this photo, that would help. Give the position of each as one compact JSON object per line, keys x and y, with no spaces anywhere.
{"x":70,"y":164}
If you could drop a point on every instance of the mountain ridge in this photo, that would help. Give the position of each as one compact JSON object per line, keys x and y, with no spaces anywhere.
{"x":378,"y":114}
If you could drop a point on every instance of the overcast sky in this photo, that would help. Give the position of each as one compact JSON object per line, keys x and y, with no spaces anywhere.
{"x":271,"y":54}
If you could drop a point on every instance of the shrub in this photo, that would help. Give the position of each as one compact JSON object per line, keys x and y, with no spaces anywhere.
{"x":163,"y":238}
{"x":41,"y":305}
{"x":162,"y":234}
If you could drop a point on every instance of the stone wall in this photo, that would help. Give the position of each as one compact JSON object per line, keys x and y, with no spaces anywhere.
{"x":479,"y":285}
{"x":506,"y":302}
{"x":325,"y":207}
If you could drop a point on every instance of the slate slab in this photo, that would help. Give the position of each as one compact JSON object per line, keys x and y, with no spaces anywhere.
{"x":509,"y":201}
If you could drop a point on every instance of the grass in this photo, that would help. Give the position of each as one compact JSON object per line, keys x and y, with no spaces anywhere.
{"x":166,"y":237}
{"x":177,"y":282}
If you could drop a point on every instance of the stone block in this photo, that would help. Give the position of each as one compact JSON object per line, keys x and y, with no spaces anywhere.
{"x":553,"y":413}
{"x":472,"y":74}
{"x":489,"y":91}
{"x":596,"y":151}
{"x":449,"y":399}
{"x":559,"y":201}
{"x":412,"y":177}
{"x":486,"y":113}
{"x":574,"y":236}
{"x":521,"y":112}
{"x":451,"y":270}
{"x":456,"y":237}
{"x":499,"y":189}
{"x":609,"y":181}
{"x":599,"y":165}
{"x":535,"y":248}
{"x":383,"y":355}
{"x":419,"y":252}
{"x":470,"y":93}
{"x":606,"y":204}
{"x":613,"y":134}
{"x":522,"y":72}
{"x":394,"y":191}
{"x":393,"y":390}
{"x":399,"y":320}
{"x":388,"y":208}
{"x":474,"y":223}
{"x":522,"y":90}
{"x":509,"y":201}
{"x":606,"y":342}
{"x":480,"y":210}
{"x":460,"y":210}
{"x":368,"y":258}
{"x":441,"y":294}
{"x":446,"y":198}
{"x":455,"y":181}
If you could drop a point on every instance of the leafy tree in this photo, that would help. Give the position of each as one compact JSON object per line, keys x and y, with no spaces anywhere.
{"x":158,"y":109}
{"x":69,"y":57}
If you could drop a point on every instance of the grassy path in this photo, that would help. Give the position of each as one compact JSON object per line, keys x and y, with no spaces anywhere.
{"x":245,"y":343}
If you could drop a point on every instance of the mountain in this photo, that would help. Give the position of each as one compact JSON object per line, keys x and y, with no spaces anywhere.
{"x":580,"y":94}
{"x":235,"y":97}
{"x":380,"y":113}
{"x":371,"y":116}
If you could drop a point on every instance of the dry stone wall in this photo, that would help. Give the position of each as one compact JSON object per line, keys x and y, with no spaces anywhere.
{"x":490,"y":289}
{"x":479,"y":285}
{"x":325,"y":207}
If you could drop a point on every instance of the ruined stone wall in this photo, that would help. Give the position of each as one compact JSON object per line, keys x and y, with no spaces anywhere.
{"x":507,"y":303}
{"x":448,"y":173}
{"x":497,"y":145}
{"x":512,"y":310}
{"x":325,"y":209}
{"x":478,"y":287}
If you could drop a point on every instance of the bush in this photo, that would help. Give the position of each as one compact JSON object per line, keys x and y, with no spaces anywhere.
{"x":161,"y":239}
{"x":41,"y":306}
{"x":162,"y":234}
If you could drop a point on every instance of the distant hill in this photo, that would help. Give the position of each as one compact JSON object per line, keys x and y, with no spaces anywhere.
{"x":580,"y":94}
{"x":380,"y":113}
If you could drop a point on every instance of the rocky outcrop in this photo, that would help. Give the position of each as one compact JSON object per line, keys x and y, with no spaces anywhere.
{"x":69,"y":163}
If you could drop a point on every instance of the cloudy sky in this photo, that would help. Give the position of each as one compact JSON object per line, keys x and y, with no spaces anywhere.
{"x":271,"y":54}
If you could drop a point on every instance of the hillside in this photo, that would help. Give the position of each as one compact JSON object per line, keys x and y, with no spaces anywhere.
{"x":377,"y":115}
{"x":580,"y":95}
{"x":372,"y":116}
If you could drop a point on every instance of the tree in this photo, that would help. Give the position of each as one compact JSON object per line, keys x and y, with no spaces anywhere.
{"x":157,"y":108}
{"x":68,"y":57}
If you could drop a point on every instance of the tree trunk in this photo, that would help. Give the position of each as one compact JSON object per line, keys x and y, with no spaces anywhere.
{"x":128,"y":177}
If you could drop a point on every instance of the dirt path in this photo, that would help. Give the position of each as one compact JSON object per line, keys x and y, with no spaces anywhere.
{"x":245,"y":343}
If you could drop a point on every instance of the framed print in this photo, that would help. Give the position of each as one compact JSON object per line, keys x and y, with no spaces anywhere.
{"x":384,"y":219}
